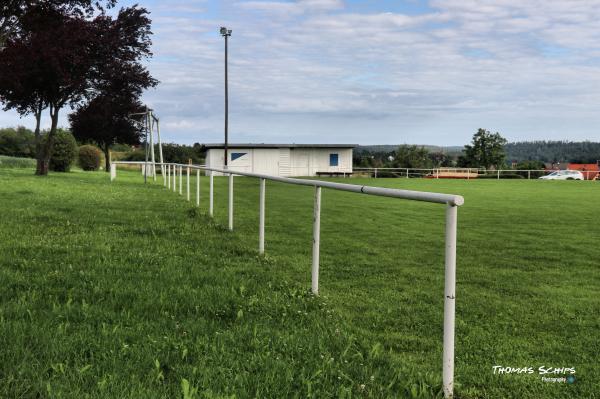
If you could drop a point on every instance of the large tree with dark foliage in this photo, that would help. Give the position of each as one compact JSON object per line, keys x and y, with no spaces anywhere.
{"x":12,"y":11}
{"x":485,"y":151}
{"x":56,"y":55}
{"x":104,"y":121}
{"x":118,"y":82}
{"x":46,"y":65}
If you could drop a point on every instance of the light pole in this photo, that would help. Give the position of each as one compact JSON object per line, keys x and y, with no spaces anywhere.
{"x":226,"y":33}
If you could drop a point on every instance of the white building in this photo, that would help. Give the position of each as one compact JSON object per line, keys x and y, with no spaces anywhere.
{"x":283,"y":159}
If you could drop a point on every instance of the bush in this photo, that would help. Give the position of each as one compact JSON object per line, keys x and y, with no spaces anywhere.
{"x":64,"y":151}
{"x":89,"y":157}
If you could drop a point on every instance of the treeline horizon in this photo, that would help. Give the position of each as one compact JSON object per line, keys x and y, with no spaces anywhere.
{"x":19,"y":141}
{"x":546,"y":151}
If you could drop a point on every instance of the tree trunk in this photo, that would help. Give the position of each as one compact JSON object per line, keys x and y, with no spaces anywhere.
{"x":106,"y":149}
{"x":46,"y":147}
{"x":39,"y":170}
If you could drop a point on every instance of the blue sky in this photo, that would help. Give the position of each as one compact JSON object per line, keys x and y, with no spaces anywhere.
{"x":375,"y":72}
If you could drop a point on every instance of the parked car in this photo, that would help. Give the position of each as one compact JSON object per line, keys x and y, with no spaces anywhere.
{"x":564,"y":175}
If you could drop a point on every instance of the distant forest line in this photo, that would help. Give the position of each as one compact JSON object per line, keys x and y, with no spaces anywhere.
{"x":19,"y":142}
{"x":544,"y":151}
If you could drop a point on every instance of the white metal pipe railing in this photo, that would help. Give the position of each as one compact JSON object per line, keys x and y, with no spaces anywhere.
{"x":316,"y":241}
{"x":230,"y":198}
{"x":212,"y":194}
{"x":261,"y":217}
{"x":180,"y":179}
{"x":451,"y":201}
{"x":198,"y":187}
{"x":436,"y":172}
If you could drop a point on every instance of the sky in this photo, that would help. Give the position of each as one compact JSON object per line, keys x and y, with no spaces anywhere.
{"x":374,"y":72}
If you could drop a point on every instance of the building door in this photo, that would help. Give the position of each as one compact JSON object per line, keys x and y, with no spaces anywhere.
{"x":300,"y":165}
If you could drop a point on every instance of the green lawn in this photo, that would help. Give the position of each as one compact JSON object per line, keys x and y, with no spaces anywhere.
{"x":125,"y":290}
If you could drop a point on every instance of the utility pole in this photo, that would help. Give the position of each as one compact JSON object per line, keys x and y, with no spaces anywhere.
{"x":226,"y":33}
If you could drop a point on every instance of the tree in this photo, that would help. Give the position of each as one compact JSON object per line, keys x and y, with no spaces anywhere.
{"x":17,"y":142}
{"x":177,"y":153}
{"x":486,"y":150}
{"x":11,"y":12}
{"x":105,"y":121}
{"x":119,"y":81}
{"x":57,"y":56}
{"x":411,"y":156}
{"x":46,"y":65}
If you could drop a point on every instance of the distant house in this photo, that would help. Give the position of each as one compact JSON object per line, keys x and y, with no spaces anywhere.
{"x":590,"y":170}
{"x":556,"y":166}
{"x":283,"y":159}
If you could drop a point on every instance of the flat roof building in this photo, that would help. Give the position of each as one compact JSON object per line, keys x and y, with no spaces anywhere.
{"x":283,"y":159}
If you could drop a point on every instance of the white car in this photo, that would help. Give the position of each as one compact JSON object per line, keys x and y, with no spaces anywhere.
{"x":564,"y":175}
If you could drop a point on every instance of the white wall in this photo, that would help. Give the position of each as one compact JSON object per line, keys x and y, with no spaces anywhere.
{"x":283,"y":161}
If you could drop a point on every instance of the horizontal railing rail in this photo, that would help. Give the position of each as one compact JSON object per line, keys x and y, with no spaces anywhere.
{"x":466,"y":173}
{"x":173,"y":172}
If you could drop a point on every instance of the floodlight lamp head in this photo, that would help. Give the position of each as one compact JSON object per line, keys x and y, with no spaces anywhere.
{"x":225,"y":32}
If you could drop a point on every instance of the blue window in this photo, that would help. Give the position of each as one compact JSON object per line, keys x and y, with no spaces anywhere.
{"x":333,"y":159}
{"x":236,"y":155}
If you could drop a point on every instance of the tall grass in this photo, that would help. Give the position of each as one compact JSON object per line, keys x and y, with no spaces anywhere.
{"x":14,"y":162}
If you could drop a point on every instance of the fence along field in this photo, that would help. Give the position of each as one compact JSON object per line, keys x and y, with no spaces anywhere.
{"x":171,"y":172}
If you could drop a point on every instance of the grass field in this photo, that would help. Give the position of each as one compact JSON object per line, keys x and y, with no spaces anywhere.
{"x":121,"y":290}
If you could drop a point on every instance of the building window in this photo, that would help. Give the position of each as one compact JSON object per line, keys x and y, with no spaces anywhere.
{"x":236,"y":155}
{"x":333,"y":159}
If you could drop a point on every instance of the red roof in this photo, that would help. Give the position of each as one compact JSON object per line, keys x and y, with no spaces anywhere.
{"x":584,"y":166}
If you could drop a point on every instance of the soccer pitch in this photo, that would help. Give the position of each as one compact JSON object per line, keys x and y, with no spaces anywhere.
{"x":127,"y":290}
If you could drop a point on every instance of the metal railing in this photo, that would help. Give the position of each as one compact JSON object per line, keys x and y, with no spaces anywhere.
{"x":464,"y":173}
{"x":173,"y":173}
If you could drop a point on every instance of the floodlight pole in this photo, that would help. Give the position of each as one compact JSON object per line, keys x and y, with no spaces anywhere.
{"x":226,"y":33}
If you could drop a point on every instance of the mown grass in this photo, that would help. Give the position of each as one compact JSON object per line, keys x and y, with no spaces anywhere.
{"x":126,"y":290}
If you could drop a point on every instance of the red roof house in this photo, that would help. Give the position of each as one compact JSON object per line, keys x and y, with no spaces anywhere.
{"x":590,"y":170}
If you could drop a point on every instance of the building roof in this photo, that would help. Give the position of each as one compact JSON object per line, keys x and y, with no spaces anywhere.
{"x":263,"y":145}
{"x":584,"y":166}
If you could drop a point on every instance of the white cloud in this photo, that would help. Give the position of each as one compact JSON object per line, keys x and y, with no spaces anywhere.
{"x":322,"y":71}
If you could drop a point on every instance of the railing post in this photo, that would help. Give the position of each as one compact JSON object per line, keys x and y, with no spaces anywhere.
{"x":188,"y":182}
{"x":261,"y":218}
{"x":211,"y":194}
{"x":376,"y":173}
{"x":231,"y":201}
{"x":180,"y":180}
{"x":174,"y":178}
{"x":113,"y":171}
{"x":316,"y":240}
{"x":528,"y":175}
{"x":198,"y":187}
{"x":168,"y":176}
{"x":407,"y":173}
{"x":162,"y":173}
{"x":498,"y":174}
{"x":449,"y":301}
